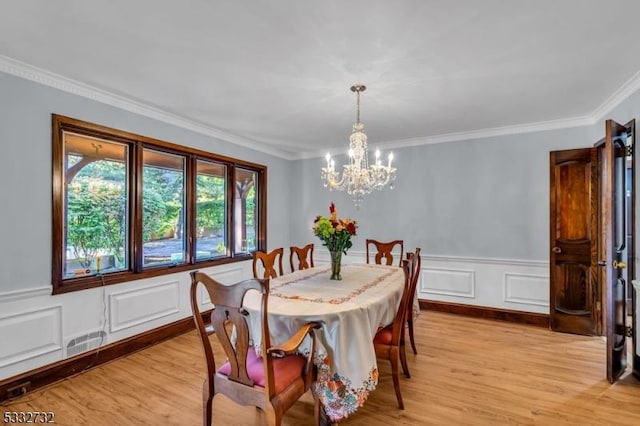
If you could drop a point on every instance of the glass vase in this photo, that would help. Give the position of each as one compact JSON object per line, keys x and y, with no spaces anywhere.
{"x":336,"y":259}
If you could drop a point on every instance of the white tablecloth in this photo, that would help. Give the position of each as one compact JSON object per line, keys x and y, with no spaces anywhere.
{"x":350,"y":311}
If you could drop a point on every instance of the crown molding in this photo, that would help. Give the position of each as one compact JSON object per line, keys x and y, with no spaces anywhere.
{"x":619,"y":96}
{"x":47,"y":78}
{"x":56,"y":81}
{"x":540,"y":126}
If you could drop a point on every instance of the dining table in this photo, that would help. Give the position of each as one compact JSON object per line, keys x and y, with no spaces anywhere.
{"x":350,"y":311}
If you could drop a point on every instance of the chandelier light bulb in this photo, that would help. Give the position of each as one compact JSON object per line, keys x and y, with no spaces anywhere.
{"x":358,"y":177}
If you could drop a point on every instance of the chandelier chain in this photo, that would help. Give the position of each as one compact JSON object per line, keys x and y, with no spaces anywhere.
{"x":358,"y":114}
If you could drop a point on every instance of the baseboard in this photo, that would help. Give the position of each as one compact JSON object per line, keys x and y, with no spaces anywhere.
{"x":539,"y":320}
{"x":48,"y":374}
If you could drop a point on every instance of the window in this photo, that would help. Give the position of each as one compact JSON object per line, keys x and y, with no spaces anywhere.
{"x":127,"y":207}
{"x":211,"y":208}
{"x":96,"y":204}
{"x":163,"y":236}
{"x":244,"y":219}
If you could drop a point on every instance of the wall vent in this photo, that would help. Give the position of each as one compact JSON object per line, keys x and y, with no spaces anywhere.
{"x":86,"y":342}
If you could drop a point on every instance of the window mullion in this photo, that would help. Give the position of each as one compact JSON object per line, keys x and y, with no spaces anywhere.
{"x":261,"y":210}
{"x":190,"y":207}
{"x":231,"y":231}
{"x":135,"y":229}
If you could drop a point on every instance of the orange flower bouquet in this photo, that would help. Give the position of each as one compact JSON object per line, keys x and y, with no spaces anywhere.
{"x":336,"y":236}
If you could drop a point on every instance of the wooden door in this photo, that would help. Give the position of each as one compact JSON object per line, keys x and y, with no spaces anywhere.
{"x":575,"y":296}
{"x":614,"y":246}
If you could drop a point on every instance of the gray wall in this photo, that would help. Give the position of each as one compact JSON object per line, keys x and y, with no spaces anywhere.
{"x":25,"y":172}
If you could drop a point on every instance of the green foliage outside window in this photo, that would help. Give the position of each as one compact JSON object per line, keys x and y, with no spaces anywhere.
{"x":96,"y":209}
{"x":210,"y":206}
{"x":251,"y":206}
{"x":162,"y":203}
{"x":96,"y":203}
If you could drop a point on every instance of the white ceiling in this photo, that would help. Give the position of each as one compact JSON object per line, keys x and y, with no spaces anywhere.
{"x":277,"y":73}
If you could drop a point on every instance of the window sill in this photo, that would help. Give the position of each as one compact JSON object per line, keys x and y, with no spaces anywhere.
{"x":93,"y":281}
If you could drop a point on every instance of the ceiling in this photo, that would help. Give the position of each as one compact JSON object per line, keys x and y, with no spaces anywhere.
{"x":276,"y":75}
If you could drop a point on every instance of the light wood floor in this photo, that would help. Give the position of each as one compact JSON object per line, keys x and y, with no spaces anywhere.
{"x":468,"y":372}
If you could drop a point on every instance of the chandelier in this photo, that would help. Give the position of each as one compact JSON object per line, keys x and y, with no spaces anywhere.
{"x":358,"y":177}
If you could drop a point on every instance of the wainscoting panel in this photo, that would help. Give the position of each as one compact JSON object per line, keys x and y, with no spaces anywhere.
{"x":447,"y":281}
{"x":512,"y":284}
{"x":526,"y":289}
{"x":30,"y":334}
{"x":509,"y":284}
{"x":140,"y":305}
{"x":33,"y":333}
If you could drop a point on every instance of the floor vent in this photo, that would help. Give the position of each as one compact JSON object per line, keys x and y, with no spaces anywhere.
{"x":86,"y":342}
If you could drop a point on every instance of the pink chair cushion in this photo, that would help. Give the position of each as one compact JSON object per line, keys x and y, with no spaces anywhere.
{"x":384,"y":335}
{"x":285,"y":370}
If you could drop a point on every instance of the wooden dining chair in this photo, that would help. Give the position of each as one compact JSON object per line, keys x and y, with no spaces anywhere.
{"x":389,"y":341}
{"x":415,"y":276}
{"x":416,"y":262}
{"x":269,"y":261}
{"x":384,"y":251}
{"x":273,"y":381}
{"x":303,"y":255}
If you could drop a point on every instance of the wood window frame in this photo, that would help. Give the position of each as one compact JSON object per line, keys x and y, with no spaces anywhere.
{"x":136,"y":143}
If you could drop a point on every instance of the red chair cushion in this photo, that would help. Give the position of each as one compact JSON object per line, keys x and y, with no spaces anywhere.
{"x":285,"y":370}
{"x":384,"y":335}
